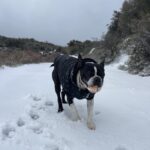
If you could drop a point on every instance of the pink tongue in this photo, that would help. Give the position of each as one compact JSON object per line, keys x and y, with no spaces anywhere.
{"x":93,"y":89}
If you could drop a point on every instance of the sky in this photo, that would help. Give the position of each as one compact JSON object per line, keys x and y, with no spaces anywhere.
{"x":56,"y":21}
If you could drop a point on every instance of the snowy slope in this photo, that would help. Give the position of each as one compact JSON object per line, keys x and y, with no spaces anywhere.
{"x":29,"y":118}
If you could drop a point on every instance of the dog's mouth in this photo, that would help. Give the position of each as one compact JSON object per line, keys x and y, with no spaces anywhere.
{"x":93,"y":89}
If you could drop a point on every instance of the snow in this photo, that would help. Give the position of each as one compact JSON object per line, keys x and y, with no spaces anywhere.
{"x":122,"y":60}
{"x":92,"y":50}
{"x":29,"y":118}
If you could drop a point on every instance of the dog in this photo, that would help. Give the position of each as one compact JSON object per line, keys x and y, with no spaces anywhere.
{"x":79,"y":78}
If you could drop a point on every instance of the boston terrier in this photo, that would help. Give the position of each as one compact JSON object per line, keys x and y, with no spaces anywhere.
{"x":79,"y":78}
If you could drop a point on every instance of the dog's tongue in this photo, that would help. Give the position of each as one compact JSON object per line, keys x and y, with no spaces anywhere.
{"x":93,"y":89}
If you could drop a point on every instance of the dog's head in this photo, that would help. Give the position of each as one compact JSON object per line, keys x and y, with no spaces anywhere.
{"x":90,"y":74}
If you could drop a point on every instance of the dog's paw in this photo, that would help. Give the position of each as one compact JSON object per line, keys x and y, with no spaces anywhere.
{"x":91,"y":125}
{"x":60,"y":110}
{"x":76,"y":118}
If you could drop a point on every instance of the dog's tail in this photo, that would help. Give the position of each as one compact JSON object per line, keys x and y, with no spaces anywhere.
{"x":52,"y":65}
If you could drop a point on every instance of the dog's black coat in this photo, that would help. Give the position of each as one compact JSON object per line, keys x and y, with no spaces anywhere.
{"x":65,"y":74}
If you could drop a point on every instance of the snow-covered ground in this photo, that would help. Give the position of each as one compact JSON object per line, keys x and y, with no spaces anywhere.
{"x":29,"y":118}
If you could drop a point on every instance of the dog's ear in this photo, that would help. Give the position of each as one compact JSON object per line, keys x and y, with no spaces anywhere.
{"x":102,"y":64}
{"x":101,"y":68}
{"x":80,"y":61}
{"x":79,"y":57}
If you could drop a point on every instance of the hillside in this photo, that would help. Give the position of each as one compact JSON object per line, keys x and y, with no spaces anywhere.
{"x":15,"y":51}
{"x":129,"y":33}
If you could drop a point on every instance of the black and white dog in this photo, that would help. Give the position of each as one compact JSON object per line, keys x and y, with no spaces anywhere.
{"x":79,"y":78}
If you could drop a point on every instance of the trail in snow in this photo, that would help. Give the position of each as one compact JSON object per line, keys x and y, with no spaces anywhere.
{"x":29,"y":118}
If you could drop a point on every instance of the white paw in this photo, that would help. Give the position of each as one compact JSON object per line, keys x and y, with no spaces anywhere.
{"x":76,"y":118}
{"x":91,"y":125}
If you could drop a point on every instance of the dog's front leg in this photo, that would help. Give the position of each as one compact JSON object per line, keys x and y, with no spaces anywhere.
{"x":90,"y":123}
{"x":75,"y":113}
{"x":73,"y":109}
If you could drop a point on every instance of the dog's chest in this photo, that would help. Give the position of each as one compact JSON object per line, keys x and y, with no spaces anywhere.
{"x":66,"y":81}
{"x":75,"y":92}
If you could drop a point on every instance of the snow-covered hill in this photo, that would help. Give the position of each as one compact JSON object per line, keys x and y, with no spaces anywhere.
{"x":29,"y":118}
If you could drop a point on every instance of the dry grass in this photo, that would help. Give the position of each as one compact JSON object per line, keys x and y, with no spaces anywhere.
{"x":17,"y":57}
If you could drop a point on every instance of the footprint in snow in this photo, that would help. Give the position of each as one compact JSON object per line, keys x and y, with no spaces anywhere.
{"x":35,"y":98}
{"x":20,"y":122}
{"x":120,"y":148}
{"x":8,"y":131}
{"x":49,"y":103}
{"x":51,"y":147}
{"x":36,"y":130}
{"x":97,"y":112}
{"x":35,"y":127}
{"x":33,"y":115}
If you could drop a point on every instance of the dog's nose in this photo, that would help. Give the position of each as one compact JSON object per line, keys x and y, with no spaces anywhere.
{"x":97,"y":81}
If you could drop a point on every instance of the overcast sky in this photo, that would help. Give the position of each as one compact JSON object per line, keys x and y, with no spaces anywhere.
{"x":56,"y":21}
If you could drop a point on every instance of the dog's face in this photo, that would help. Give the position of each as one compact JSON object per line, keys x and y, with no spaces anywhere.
{"x":92,"y":75}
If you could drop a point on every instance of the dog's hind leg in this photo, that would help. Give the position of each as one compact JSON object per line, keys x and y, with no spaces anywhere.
{"x":63,"y":97}
{"x":57,"y":89}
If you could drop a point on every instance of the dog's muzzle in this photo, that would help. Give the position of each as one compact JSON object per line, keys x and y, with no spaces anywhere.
{"x":94,"y":84}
